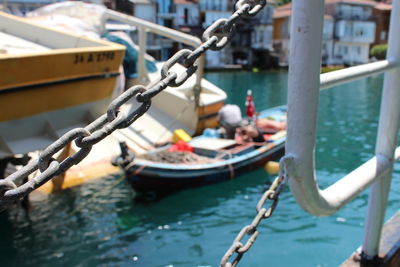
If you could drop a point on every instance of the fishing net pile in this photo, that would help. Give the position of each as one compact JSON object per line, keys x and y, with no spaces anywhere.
{"x":183,"y":157}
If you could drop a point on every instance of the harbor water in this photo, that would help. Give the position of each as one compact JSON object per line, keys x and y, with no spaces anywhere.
{"x":105,"y":223}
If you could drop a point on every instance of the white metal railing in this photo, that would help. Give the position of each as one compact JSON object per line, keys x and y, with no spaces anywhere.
{"x":334,"y":78}
{"x":305,"y":83}
{"x":144,"y":27}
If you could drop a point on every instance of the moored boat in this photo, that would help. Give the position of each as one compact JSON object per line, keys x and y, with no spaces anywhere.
{"x":54,"y":81}
{"x":208,"y":160}
{"x":69,"y":80}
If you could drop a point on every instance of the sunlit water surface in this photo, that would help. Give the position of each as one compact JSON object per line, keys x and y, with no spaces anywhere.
{"x":105,"y":223}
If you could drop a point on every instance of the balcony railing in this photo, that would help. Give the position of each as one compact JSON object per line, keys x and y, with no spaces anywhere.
{"x":354,"y":17}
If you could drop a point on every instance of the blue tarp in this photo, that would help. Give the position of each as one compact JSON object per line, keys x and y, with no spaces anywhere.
{"x":131,"y":57}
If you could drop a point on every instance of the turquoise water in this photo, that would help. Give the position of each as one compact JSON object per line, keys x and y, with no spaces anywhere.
{"x":105,"y":223}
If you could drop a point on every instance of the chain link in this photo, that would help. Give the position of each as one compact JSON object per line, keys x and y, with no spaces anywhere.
{"x":45,"y":158}
{"x":215,"y":37}
{"x":255,"y":6}
{"x":271,"y":194}
{"x":5,"y":186}
{"x":226,"y":34}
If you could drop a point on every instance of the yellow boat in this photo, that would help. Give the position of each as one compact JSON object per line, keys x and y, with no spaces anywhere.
{"x":60,"y":81}
{"x":52,"y":71}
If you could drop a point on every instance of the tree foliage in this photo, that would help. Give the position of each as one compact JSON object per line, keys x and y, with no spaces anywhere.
{"x":379,"y":51}
{"x":282,"y":2}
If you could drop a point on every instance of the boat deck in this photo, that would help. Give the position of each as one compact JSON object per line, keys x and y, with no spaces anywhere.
{"x":389,"y":252}
{"x":10,"y":44}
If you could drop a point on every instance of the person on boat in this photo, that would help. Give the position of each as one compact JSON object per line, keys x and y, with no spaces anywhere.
{"x":229,"y":117}
{"x":250,"y":133}
{"x":268,"y":125}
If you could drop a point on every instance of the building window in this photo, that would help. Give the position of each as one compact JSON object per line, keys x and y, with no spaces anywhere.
{"x":324,"y":48}
{"x":383,"y":35}
{"x":347,"y":30}
{"x":343,"y":50}
{"x":359,"y":32}
{"x":285,"y":29}
{"x":186,"y":15}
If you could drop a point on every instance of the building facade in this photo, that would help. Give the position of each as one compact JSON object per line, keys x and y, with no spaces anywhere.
{"x":187,"y":14}
{"x":165,"y":16}
{"x":253,"y":45}
{"x":145,"y":9}
{"x":327,"y":40}
{"x":281,"y":33}
{"x":348,"y":32}
{"x":381,"y":13}
{"x":354,"y":30}
{"x":210,"y":11}
{"x":261,"y":38}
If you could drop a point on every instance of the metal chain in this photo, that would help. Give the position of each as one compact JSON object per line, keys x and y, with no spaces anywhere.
{"x":215,"y":37}
{"x":271,"y":194}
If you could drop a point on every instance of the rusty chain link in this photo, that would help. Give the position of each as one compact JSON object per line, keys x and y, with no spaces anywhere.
{"x":215,"y":37}
{"x":271,"y":194}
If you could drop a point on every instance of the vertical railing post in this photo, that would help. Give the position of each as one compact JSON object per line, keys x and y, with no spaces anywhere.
{"x":142,"y":71}
{"x":386,"y":139}
{"x":200,"y":71}
{"x":303,"y":85}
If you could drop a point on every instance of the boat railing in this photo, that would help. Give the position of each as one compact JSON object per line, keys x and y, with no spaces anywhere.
{"x":144,"y":27}
{"x":304,"y":87}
